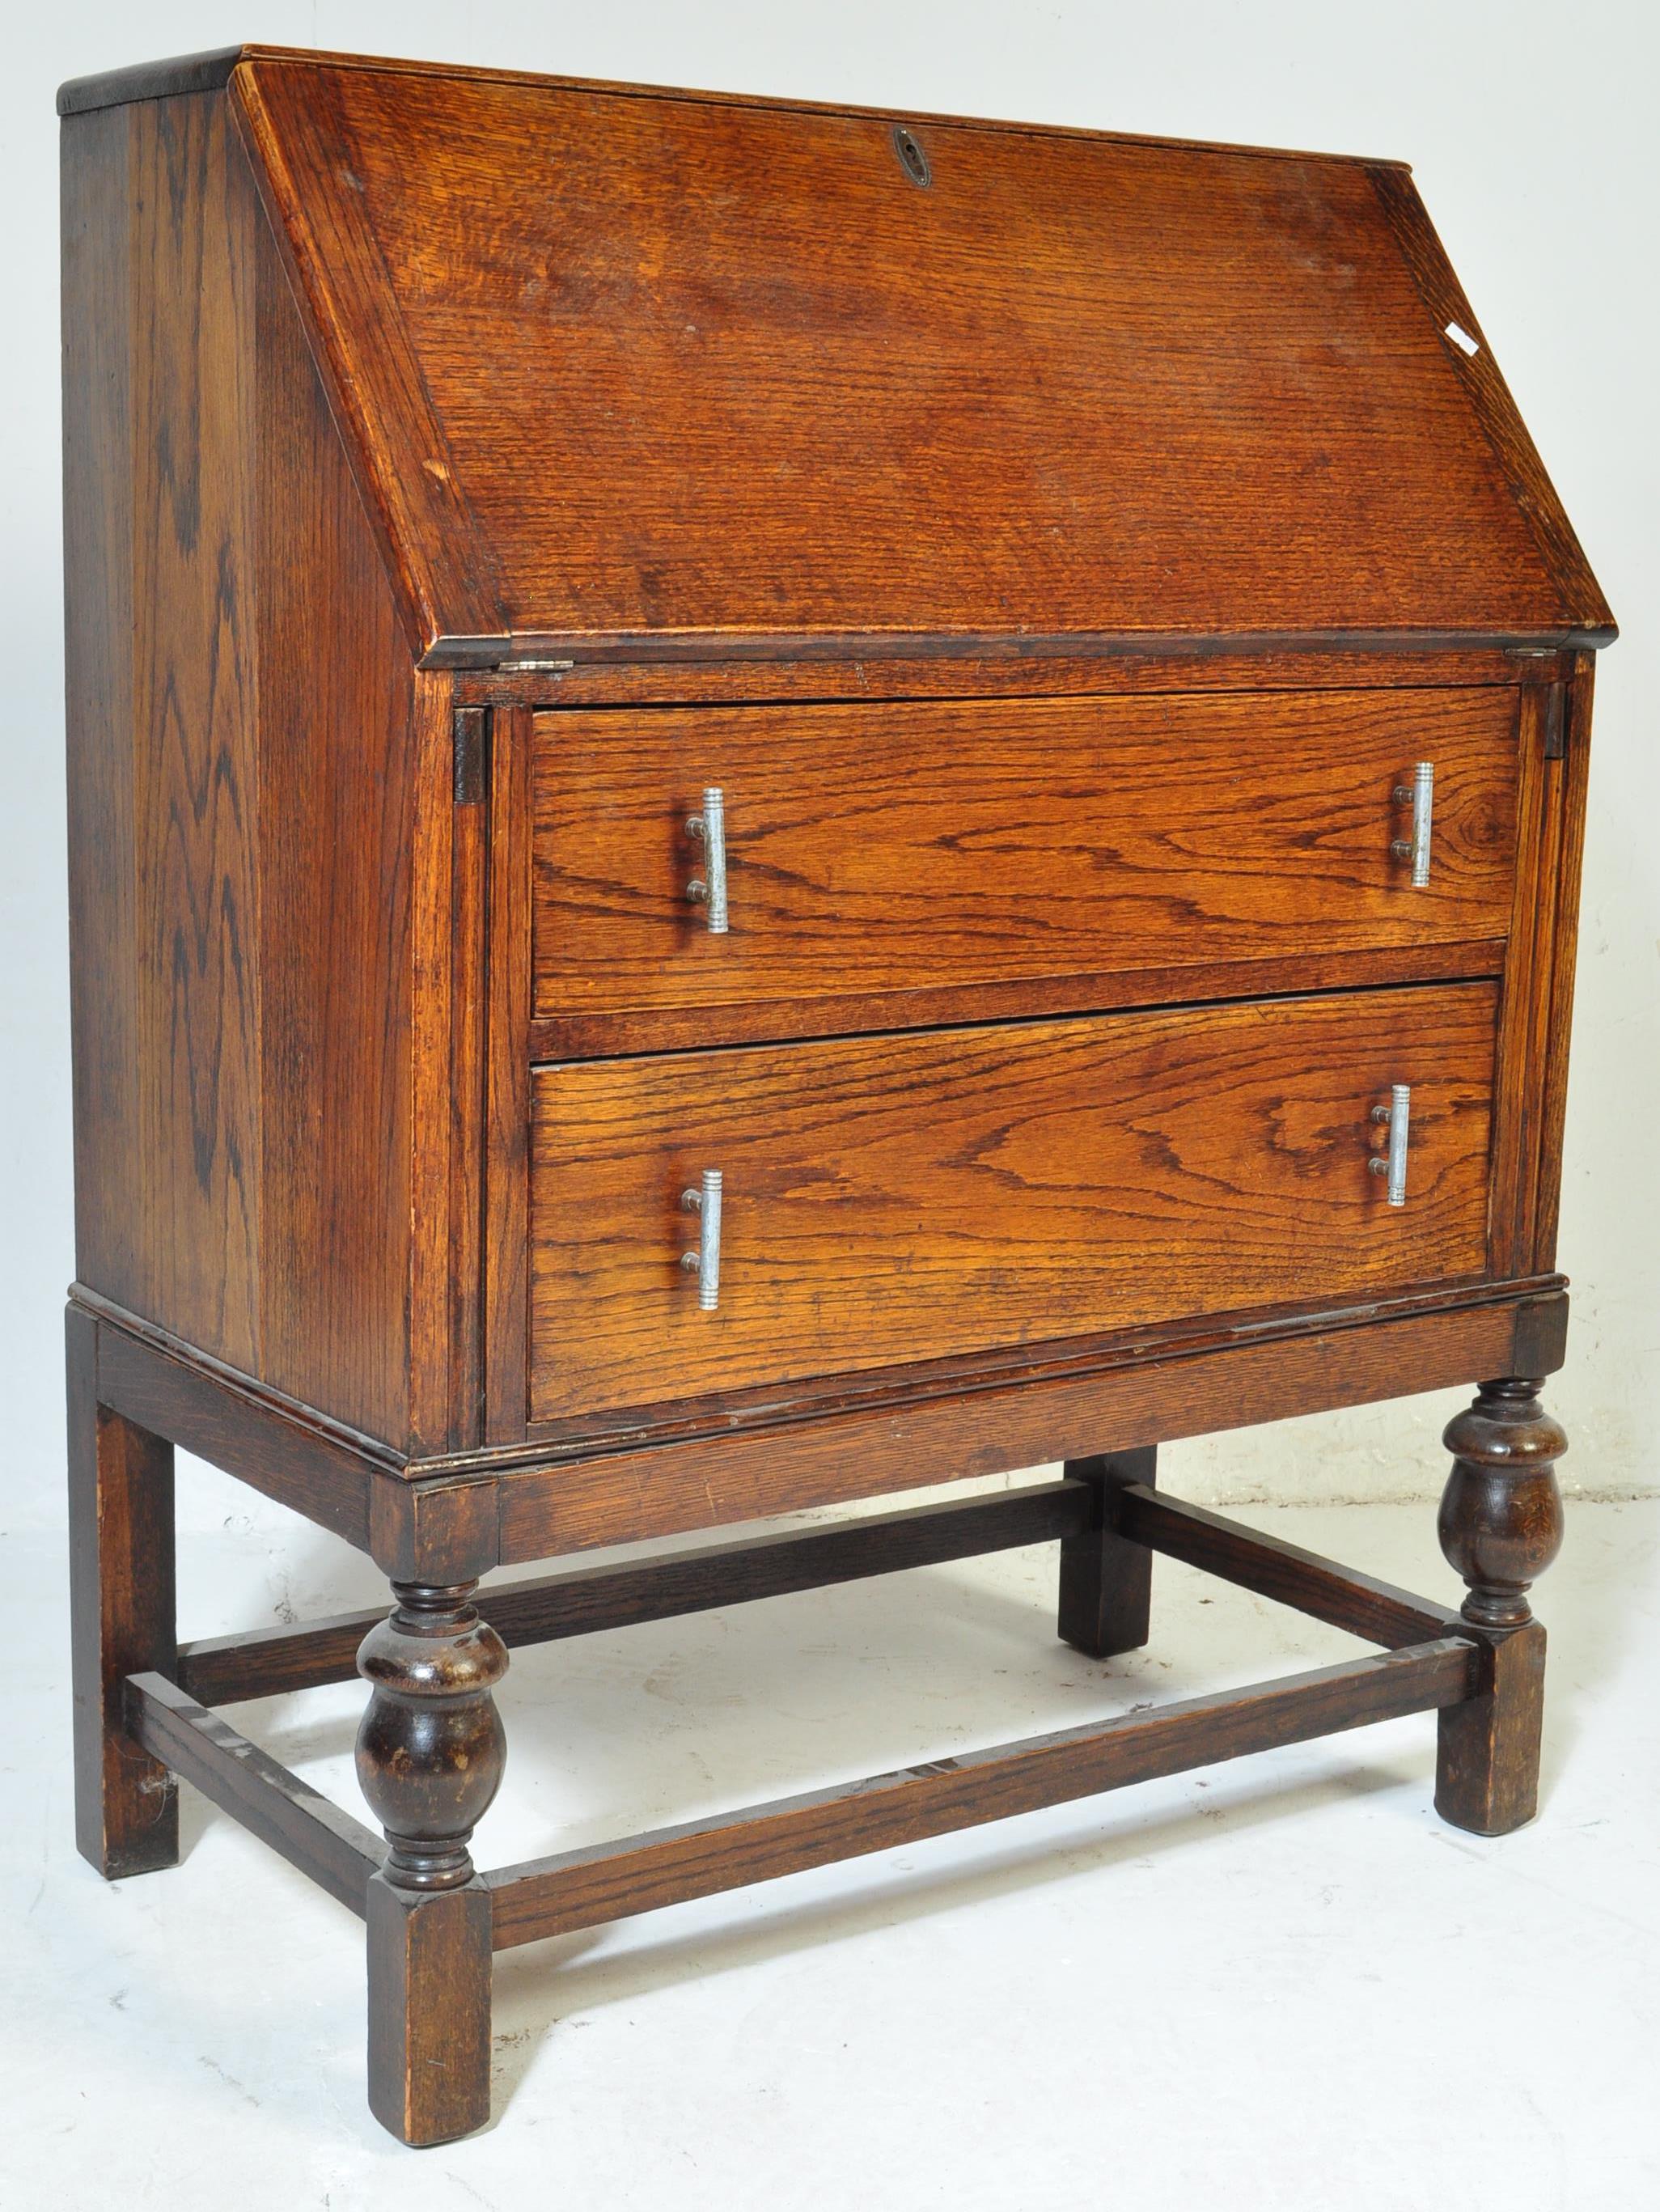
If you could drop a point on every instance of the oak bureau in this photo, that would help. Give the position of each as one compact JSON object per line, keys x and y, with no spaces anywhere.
{"x":768,"y":804}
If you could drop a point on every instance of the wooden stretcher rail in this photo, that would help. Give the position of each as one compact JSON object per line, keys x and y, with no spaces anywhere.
{"x":584,"y":1888}
{"x":277,"y":1807}
{"x":221,"y":1670}
{"x":1375,"y":1610}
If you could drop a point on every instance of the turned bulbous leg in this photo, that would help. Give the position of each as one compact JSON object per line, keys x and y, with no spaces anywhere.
{"x":1501,"y":1515}
{"x":430,"y":1750}
{"x":1500,"y":1527}
{"x":430,"y":1753}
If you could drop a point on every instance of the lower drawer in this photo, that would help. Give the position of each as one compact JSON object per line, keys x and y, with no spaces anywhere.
{"x":890,"y":1199}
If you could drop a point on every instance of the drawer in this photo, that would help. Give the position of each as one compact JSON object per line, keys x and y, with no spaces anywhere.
{"x":900,"y":852}
{"x":893,"y":1199}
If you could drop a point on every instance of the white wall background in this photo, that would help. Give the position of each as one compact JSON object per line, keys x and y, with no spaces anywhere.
{"x":1533,"y":135}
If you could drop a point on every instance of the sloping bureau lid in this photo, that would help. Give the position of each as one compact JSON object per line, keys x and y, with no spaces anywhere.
{"x":636,"y":371}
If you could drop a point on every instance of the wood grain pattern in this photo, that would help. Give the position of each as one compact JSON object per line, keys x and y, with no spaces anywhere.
{"x":121,"y":1617}
{"x":164,"y":907}
{"x":942,"y":1005}
{"x":1211,"y":667}
{"x":1078,"y":383}
{"x":341,"y":744}
{"x":271,"y":1661}
{"x":991,"y":1422}
{"x":99,"y":606}
{"x":1572,"y":778}
{"x":895,"y":1198}
{"x":282,"y":1810}
{"x":430,"y":2011}
{"x":898,"y":848}
{"x":208,"y":1412}
{"x":1279,"y":1571}
{"x":1479,"y":374}
{"x":506,"y":1287}
{"x":245,"y":765}
{"x":586,"y":1888}
{"x":1486,"y":1774}
{"x":446,"y":868}
{"x":201,"y":1149}
{"x":425,"y":527}
{"x":1057,"y":566}
{"x":1521,"y":1011}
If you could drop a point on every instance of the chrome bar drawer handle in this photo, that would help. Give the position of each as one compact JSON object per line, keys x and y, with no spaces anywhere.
{"x":1394,"y":1163}
{"x":1420,"y":795}
{"x":706,"y":1259}
{"x":709,"y":829}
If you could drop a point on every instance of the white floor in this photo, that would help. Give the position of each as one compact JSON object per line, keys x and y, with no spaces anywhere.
{"x":1279,"y":1983}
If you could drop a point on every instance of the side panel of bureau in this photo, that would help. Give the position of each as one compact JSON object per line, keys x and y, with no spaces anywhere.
{"x":913,"y":848}
{"x":246,"y":734}
{"x":896,"y":1199}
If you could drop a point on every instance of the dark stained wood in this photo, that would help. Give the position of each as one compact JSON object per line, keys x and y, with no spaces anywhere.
{"x":100,"y":590}
{"x":121,"y":1616}
{"x":430,"y":1747}
{"x":767,"y":343}
{"x":338,"y":1852}
{"x":327,"y":1477}
{"x":1501,"y":1514}
{"x":1255,"y":1561}
{"x":548,"y":657}
{"x":1055,"y":1177}
{"x":269,"y":1663}
{"x":430,"y":2010}
{"x":343,"y":727}
{"x":1005,"y":675}
{"x":1542,"y":1335}
{"x":1151,"y":1392}
{"x":448,"y":872}
{"x":443,"y":1531}
{"x":1500,"y":1526}
{"x":161,"y":735}
{"x":204,"y":72}
{"x":1106,"y":1580}
{"x":895,"y":848}
{"x":246,"y":768}
{"x":430,"y":1751}
{"x":1486,"y":1774}
{"x":585,"y":1888}
{"x":1057,"y":564}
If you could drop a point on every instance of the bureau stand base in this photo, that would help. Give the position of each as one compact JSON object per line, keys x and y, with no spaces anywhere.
{"x":433,"y":1922}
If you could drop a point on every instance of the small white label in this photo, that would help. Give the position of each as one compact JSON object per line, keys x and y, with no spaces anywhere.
{"x":1462,"y":339}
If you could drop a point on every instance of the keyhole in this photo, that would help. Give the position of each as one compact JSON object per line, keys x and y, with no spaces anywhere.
{"x":914,"y":160}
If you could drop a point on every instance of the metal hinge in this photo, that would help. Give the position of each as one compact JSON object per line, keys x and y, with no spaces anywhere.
{"x":470,"y":735}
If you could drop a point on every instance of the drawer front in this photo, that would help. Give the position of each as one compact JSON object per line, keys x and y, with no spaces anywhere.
{"x":896,"y":1199}
{"x":918,"y":847}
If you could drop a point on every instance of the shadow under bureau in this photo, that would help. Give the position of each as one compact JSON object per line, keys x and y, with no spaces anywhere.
{"x":769,"y":804}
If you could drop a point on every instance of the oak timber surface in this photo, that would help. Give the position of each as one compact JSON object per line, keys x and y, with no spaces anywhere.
{"x":241,"y":755}
{"x":908,"y":847}
{"x":623,"y":368}
{"x":906,"y":1197}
